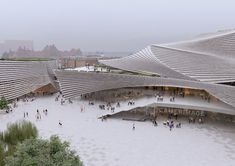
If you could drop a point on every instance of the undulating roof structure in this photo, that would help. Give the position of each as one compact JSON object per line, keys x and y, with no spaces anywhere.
{"x":74,"y":83}
{"x":18,"y":78}
{"x":202,"y":63}
{"x":210,"y":58}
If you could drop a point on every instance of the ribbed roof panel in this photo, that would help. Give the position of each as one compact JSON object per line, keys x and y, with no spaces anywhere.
{"x":74,"y":83}
{"x":18,"y":78}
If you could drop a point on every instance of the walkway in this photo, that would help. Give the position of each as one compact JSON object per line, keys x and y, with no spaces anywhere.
{"x":187,"y":102}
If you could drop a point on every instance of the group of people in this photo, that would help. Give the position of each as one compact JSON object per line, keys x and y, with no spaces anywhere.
{"x":38,"y":114}
{"x":26,"y":114}
{"x":173,"y":115}
{"x":108,"y":106}
{"x":91,"y":103}
{"x":102,"y":106}
{"x":9,"y":109}
{"x":171,"y":124}
{"x":159,"y":98}
{"x":45,"y":111}
{"x":159,"y":95}
{"x":193,"y":120}
{"x":62,"y":100}
{"x":28,"y":99}
{"x":14,"y":104}
{"x":131,"y":102}
{"x":172,"y":98}
{"x":206,"y":98}
{"x":170,"y":120}
{"x":103,"y":118}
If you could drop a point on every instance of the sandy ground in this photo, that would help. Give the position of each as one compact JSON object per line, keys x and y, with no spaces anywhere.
{"x":114,"y":143}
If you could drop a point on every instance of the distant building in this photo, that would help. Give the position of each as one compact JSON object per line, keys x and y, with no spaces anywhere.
{"x":49,"y":51}
{"x":75,"y":62}
{"x":14,"y":45}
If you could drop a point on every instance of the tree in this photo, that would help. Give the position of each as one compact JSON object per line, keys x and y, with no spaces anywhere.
{"x":18,"y":132}
{"x":14,"y":134}
{"x":5,"y":55}
{"x":2,"y":154}
{"x":3,"y":103}
{"x":39,"y":152}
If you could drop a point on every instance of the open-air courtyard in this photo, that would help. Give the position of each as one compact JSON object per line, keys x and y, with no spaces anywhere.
{"x":113,"y":142}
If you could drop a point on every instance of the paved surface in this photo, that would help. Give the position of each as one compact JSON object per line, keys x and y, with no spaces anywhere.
{"x":114,"y":143}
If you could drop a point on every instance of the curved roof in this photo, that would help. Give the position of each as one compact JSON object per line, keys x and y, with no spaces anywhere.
{"x":18,"y":78}
{"x":74,"y":83}
{"x":219,"y":44}
{"x":197,"y":64}
{"x":144,"y":61}
{"x":210,"y":58}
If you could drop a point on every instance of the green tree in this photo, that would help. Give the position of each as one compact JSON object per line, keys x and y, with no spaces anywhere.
{"x":2,"y":154}
{"x":37,"y":152}
{"x":3,"y":103}
{"x":14,"y":134}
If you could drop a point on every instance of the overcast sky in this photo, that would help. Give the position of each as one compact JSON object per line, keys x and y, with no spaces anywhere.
{"x":111,"y":25}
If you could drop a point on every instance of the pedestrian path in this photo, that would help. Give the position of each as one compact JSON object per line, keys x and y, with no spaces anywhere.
{"x":194,"y":103}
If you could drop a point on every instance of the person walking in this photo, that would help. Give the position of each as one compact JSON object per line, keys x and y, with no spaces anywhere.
{"x":133,"y":127}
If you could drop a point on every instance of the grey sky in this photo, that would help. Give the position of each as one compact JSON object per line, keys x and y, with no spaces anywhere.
{"x":111,"y":25}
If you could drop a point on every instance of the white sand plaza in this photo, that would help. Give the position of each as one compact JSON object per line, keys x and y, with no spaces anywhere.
{"x":114,"y":143}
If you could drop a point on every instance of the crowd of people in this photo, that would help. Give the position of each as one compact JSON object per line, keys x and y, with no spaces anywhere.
{"x":172,"y":117}
{"x":26,"y":98}
{"x":112,"y":105}
{"x":171,"y":123}
{"x":108,"y":106}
